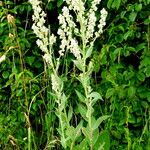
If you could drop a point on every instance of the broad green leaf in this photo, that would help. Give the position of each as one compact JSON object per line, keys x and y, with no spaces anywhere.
{"x":82,"y":110}
{"x":89,"y":52}
{"x":103,"y":140}
{"x":95,"y":136}
{"x":82,"y":146}
{"x":147,"y":21}
{"x":78,"y":64}
{"x":95,"y":96}
{"x":132,"y":16}
{"x":127,"y":34}
{"x":109,"y":3}
{"x":140,"y":47}
{"x":116,"y":4}
{"x":138,"y":7}
{"x":145,"y":62}
{"x":80,"y":96}
{"x":99,"y":121}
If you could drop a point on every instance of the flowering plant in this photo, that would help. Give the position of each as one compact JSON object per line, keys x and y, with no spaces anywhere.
{"x":77,"y":35}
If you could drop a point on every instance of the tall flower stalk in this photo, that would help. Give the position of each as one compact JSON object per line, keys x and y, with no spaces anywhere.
{"x":77,"y":35}
{"x":88,"y":30}
{"x":45,"y":42}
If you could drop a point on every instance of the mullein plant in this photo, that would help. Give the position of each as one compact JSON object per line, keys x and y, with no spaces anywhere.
{"x":77,"y":34}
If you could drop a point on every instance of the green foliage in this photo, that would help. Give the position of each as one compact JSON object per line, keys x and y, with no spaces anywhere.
{"x":118,"y":68}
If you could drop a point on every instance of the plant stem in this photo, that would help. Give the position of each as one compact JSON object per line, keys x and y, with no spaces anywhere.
{"x":29,"y":138}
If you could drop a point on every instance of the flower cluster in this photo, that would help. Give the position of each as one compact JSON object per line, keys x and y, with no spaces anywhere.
{"x":41,"y":31}
{"x":91,"y":17}
{"x":65,"y":33}
{"x":87,"y":21}
{"x":102,"y":21}
{"x":55,"y":84}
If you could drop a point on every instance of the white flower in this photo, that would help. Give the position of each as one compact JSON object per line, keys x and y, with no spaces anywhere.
{"x":55,"y":84}
{"x":47,"y":58}
{"x":2,"y":58}
{"x":52,"y":39}
{"x":102,"y":21}
{"x":91,"y":25}
{"x":74,"y":48}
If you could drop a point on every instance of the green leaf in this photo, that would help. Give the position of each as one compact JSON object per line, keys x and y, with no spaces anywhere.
{"x":59,"y":3}
{"x":95,"y":96}
{"x":138,"y":7}
{"x":5,"y":74}
{"x":99,"y":121}
{"x":140,"y":47}
{"x":82,"y":146}
{"x":70,"y":113}
{"x":82,"y":110}
{"x":78,"y":64}
{"x":110,"y":92}
{"x":131,"y":91}
{"x":89,"y":52}
{"x":145,"y":62}
{"x":127,"y":34}
{"x":147,"y":21}
{"x":86,"y":132}
{"x":109,"y":3}
{"x":116,"y":4}
{"x":147,"y":71}
{"x":116,"y":54}
{"x":132,"y":16}
{"x":30,"y":60}
{"x":141,"y":76}
{"x":80,"y":96}
{"x":119,"y":38}
{"x":103,"y":141}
